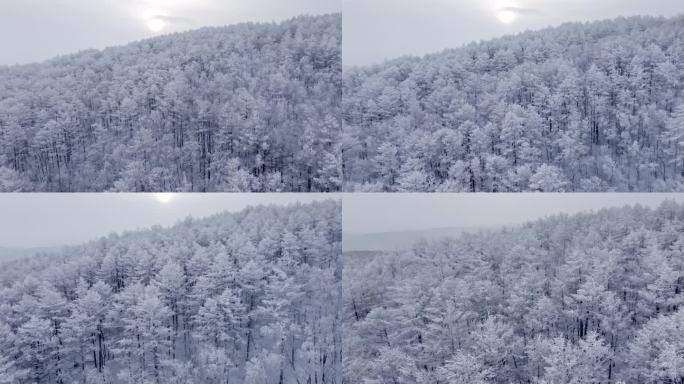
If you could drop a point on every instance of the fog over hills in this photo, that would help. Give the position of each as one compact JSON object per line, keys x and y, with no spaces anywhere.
{"x":398,"y":240}
{"x":12,"y":254}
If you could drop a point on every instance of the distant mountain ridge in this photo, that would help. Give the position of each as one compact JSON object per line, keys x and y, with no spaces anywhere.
{"x":398,"y":240}
{"x":8,"y":254}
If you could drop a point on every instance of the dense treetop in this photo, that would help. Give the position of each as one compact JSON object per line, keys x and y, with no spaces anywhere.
{"x":581,"y":107}
{"x":249,"y":107}
{"x":250,"y":297}
{"x":589,"y":298}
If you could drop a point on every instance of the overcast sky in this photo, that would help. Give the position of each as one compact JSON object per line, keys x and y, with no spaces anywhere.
{"x":31,"y":220}
{"x":35,"y":30}
{"x":372,"y":213}
{"x":375,"y":30}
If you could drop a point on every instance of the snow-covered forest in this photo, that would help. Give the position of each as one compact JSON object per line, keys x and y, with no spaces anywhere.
{"x":249,"y":107}
{"x":582,"y":107}
{"x":589,"y":298}
{"x":250,"y":297}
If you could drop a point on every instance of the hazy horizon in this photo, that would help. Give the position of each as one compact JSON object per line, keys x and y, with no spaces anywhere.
{"x":424,"y":230}
{"x":34,"y":31}
{"x":55,"y":220}
{"x":401,"y":240}
{"x":368,"y":214}
{"x":378,"y":30}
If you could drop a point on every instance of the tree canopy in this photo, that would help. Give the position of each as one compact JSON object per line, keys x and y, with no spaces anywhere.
{"x":249,"y":297}
{"x":249,"y":107}
{"x":582,"y":107}
{"x":590,"y":298}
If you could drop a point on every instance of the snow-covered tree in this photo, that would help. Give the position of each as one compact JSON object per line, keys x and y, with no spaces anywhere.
{"x":588,"y":298}
{"x":194,"y":303}
{"x":580,"y":107}
{"x":249,"y":108}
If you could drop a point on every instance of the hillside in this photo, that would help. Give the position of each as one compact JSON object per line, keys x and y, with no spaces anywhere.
{"x":588,"y":298}
{"x":249,"y":107}
{"x":581,"y":107}
{"x":250,"y":297}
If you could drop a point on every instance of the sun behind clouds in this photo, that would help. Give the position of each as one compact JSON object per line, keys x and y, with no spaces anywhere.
{"x":156,"y":24}
{"x":156,"y":13}
{"x":163,"y":198}
{"x":506,"y":11}
{"x":506,"y":16}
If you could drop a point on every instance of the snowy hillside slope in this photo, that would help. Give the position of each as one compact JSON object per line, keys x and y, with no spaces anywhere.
{"x":585,"y":298}
{"x":581,"y":107}
{"x":248,"y":107}
{"x":247,"y":297}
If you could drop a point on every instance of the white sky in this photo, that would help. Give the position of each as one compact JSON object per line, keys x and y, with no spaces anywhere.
{"x":35,"y":30}
{"x":372,"y":213}
{"x":31,"y":220}
{"x":375,"y":30}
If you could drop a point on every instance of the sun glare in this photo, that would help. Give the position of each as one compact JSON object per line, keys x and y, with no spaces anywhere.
{"x":506,"y":16}
{"x":163,"y":197}
{"x":156,"y":24}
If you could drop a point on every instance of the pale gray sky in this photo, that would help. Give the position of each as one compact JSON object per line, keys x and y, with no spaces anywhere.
{"x":375,"y":30}
{"x":35,"y":30}
{"x":30,"y":220}
{"x":373,"y":213}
